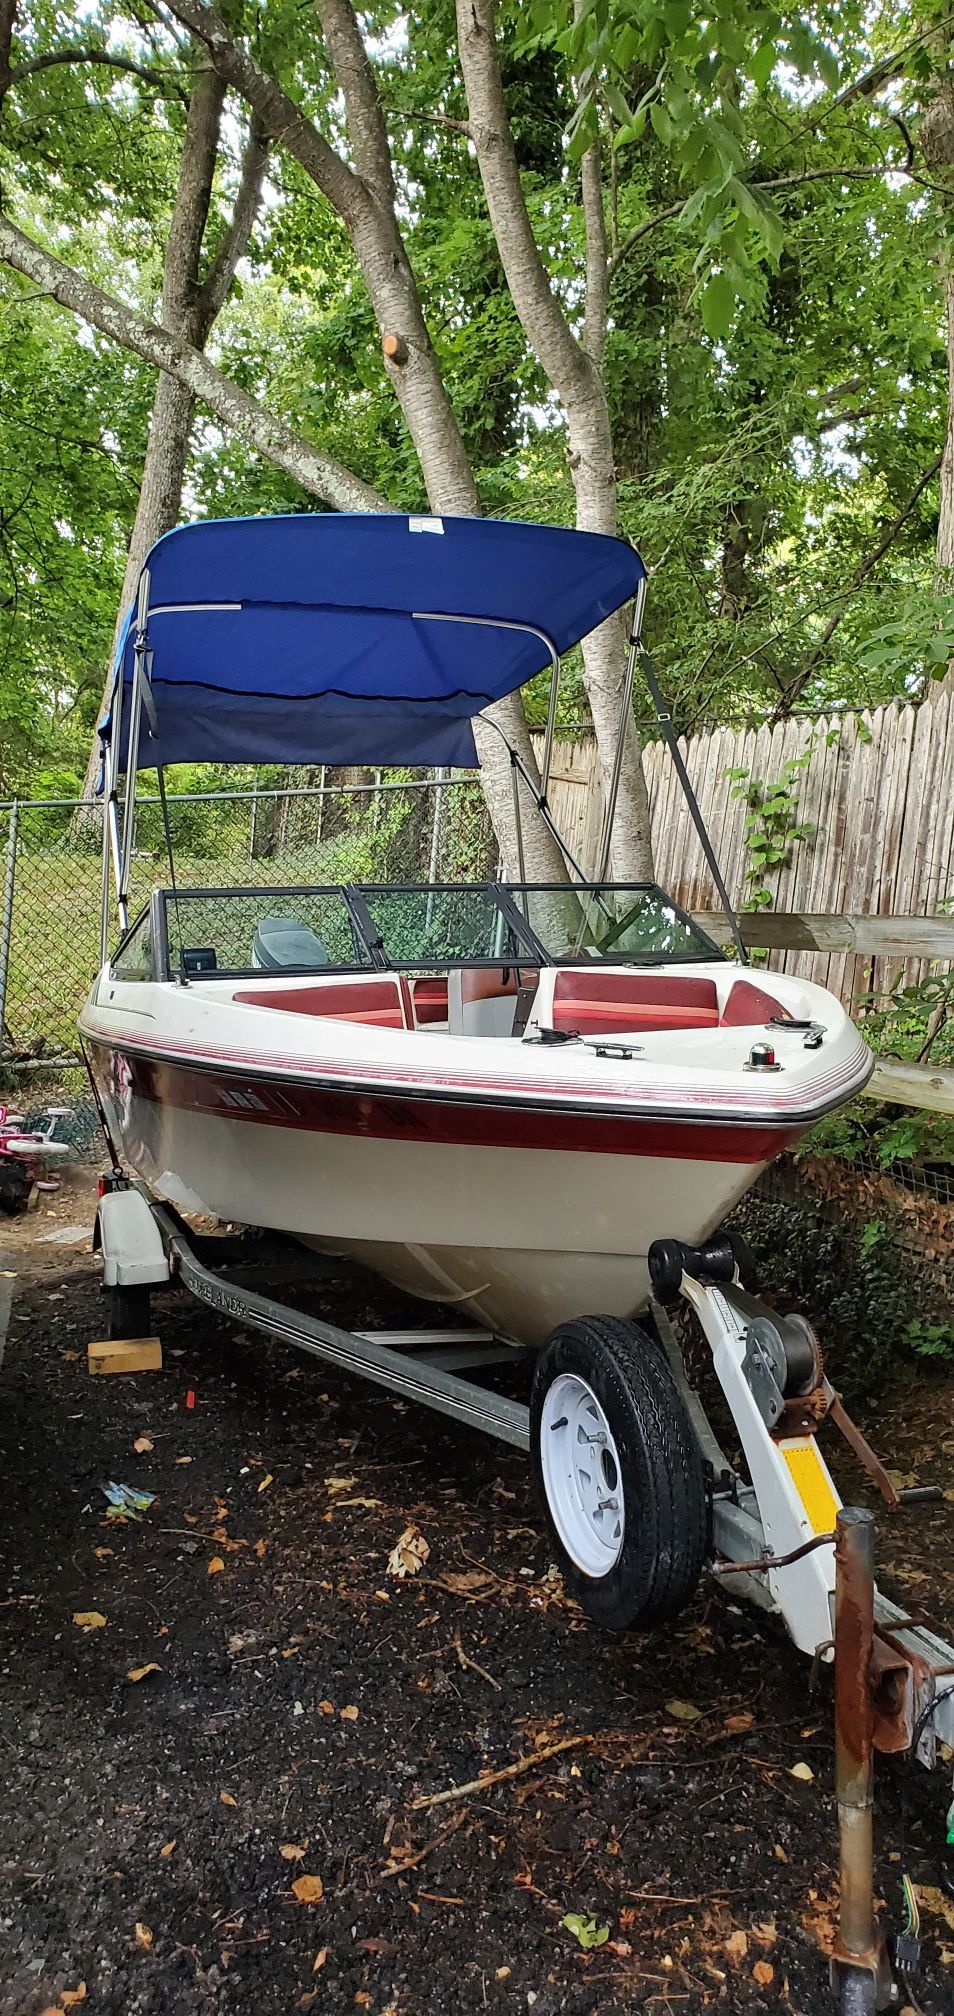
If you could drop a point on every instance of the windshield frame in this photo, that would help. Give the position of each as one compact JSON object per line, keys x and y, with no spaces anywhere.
{"x":506,"y":895}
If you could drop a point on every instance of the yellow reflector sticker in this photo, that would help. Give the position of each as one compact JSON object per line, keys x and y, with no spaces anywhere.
{"x":812,"y":1482}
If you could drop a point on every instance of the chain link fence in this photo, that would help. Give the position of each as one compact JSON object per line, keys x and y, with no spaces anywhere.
{"x":386,"y":827}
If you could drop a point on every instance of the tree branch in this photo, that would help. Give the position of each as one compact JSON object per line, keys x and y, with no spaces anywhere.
{"x":771,"y":182}
{"x":356,"y":82}
{"x":375,"y":234}
{"x":108,"y":61}
{"x":863,"y":569}
{"x":431,"y":119}
{"x":597,"y":255}
{"x":190,"y":211}
{"x":281,"y":119}
{"x":233,"y":244}
{"x":260,"y":430}
{"x":541,"y":314}
{"x":8,"y":11}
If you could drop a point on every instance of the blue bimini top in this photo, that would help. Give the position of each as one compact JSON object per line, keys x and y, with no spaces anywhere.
{"x":364,"y":638}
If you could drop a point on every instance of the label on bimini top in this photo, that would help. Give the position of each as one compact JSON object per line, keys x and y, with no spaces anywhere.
{"x":425,"y":524}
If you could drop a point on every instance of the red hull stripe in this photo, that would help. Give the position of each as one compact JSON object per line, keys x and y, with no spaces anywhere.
{"x":776,"y":1103}
{"x":313,"y":1109}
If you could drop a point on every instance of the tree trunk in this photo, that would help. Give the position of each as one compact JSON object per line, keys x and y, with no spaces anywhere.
{"x":364,"y":197}
{"x":189,"y":309}
{"x":575,"y":372}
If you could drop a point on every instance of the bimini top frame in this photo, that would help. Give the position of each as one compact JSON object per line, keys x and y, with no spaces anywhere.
{"x":357,"y":638}
{"x":341,"y":639}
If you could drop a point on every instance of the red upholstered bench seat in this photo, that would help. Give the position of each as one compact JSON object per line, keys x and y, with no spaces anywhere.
{"x":377,"y":1002}
{"x":605,"y":1004}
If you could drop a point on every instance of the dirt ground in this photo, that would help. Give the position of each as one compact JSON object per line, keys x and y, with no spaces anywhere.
{"x":261,"y":1702}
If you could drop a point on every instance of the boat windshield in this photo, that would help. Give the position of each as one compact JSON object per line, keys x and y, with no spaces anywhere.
{"x":424,"y":927}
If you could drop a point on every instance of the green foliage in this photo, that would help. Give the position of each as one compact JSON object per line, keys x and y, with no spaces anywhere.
{"x":860,"y":1291}
{"x":775,"y":366}
{"x":772,"y":827}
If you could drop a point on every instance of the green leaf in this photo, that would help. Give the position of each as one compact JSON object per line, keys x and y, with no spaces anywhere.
{"x":762,"y":64}
{"x":585,"y":1930}
{"x":661,"y":123}
{"x":717,"y":306}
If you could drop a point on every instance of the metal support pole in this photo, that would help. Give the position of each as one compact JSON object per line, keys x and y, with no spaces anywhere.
{"x":551,"y":721}
{"x":6,"y":916}
{"x":515,"y":780}
{"x":859,"y":1964}
{"x":439,"y":776}
{"x":132,"y":748}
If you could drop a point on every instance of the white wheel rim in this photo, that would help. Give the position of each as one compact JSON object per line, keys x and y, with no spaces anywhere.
{"x":582,"y":1475}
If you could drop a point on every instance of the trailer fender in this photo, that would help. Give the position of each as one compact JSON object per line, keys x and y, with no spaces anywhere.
{"x":131,"y":1243}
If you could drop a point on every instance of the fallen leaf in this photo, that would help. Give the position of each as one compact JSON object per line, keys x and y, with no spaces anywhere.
{"x":291,"y":1851}
{"x":89,"y":1620}
{"x":779,"y":1852}
{"x":216,"y":1565}
{"x":266,"y":1481}
{"x":349,"y":1714}
{"x":503,"y":1974}
{"x":143,"y":1444}
{"x":363,"y":1999}
{"x":765,"y":1931}
{"x":804,"y":1772}
{"x":70,"y":1996}
{"x":367,"y":1504}
{"x":585,"y":1930}
{"x":409,"y":1554}
{"x":737,"y":1945}
{"x":946,"y":1957}
{"x":763,"y":1973}
{"x":340,"y":1483}
{"x":139,"y":1672}
{"x":326,"y":1707}
{"x":320,"y":1959}
{"x":227,"y":1799}
{"x":308,"y":1889}
{"x":935,"y":1903}
{"x":144,"y":1935}
{"x":738,"y":1724}
{"x":167,"y":1850}
{"x":102,"y":1553}
{"x":260,"y":1547}
{"x":183,"y":1459}
{"x":683,"y":1711}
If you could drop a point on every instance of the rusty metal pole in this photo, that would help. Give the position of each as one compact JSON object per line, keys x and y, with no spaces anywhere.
{"x":858,"y":1968}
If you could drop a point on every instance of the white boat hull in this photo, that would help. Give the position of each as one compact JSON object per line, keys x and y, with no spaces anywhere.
{"x":523,"y":1182}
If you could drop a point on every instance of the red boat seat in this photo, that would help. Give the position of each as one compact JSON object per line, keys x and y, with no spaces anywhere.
{"x":606,"y":1004}
{"x":429,"y":999}
{"x":748,"y":1004}
{"x":376,"y":1002}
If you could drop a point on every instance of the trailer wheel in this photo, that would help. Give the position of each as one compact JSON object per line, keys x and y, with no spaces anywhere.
{"x":127,"y":1312}
{"x":620,"y":1473}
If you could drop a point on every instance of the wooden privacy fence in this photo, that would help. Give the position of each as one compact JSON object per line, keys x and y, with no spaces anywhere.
{"x":876,"y":793}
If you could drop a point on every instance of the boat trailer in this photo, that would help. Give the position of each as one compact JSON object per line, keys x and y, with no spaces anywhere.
{"x":782,"y":1540}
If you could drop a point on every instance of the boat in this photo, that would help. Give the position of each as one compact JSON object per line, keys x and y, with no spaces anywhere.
{"x":497,"y":1095}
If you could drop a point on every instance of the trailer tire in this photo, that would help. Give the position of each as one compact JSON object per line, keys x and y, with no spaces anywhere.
{"x":632,"y":1530}
{"x":127,"y":1312}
